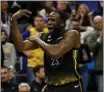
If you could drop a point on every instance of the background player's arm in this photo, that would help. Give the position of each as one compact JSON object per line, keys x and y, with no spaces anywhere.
{"x":63,"y":47}
{"x":16,"y":36}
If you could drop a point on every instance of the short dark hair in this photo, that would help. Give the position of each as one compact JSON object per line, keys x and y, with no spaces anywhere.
{"x":4,"y":31}
{"x":37,"y":69}
{"x":63,"y":16}
{"x":4,"y":67}
{"x":38,"y":16}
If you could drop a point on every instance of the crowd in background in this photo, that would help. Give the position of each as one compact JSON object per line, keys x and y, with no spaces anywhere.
{"x":24,"y":71}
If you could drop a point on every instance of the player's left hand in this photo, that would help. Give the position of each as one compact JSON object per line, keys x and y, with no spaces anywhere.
{"x":35,"y":37}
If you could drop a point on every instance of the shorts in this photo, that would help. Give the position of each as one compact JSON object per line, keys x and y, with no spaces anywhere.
{"x":70,"y":87}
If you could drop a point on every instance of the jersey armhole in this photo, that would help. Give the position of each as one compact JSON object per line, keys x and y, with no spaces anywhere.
{"x":44,"y":36}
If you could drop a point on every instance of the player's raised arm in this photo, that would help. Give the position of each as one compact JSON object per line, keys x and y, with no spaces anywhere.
{"x":16,"y":36}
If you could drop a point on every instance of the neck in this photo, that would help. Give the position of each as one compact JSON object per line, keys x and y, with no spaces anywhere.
{"x":58,"y":30}
{"x":37,"y":80}
{"x":55,"y":33}
{"x":39,"y":29}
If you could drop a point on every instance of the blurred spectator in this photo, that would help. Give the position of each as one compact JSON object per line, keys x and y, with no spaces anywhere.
{"x":7,"y":84}
{"x":50,"y":4}
{"x":73,"y":5}
{"x":39,"y":81}
{"x":62,"y":6}
{"x":43,"y":12}
{"x":9,"y":51}
{"x":95,"y":42}
{"x":101,"y":3}
{"x":5,"y":17}
{"x":2,"y":56}
{"x":24,"y":87}
{"x":75,"y":24}
{"x":94,"y":6}
{"x":34,"y":57}
{"x":6,"y":27}
{"x":84,"y":15}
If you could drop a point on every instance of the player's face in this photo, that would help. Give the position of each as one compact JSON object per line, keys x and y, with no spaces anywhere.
{"x":53,"y":20}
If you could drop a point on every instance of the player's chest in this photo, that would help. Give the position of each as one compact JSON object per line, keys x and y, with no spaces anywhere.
{"x":50,"y":40}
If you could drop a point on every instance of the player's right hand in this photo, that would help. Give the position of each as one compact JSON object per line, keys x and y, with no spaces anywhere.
{"x":20,"y":13}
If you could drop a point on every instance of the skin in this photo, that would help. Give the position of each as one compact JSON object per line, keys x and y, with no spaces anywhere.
{"x":76,"y":25}
{"x":98,"y":22}
{"x":5,"y":75}
{"x":70,"y":40}
{"x":49,"y":3}
{"x":39,"y":75}
{"x":39,"y":23}
{"x":3,"y":36}
{"x":52,"y":21}
{"x":82,"y":10}
{"x":61,"y":5}
{"x":4,"y":5}
{"x":24,"y":89}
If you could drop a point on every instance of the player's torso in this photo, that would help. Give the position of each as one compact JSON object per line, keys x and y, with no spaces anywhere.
{"x":58,"y":69}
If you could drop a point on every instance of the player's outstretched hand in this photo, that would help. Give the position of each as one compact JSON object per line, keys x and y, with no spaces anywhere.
{"x":20,"y":13}
{"x":35,"y":37}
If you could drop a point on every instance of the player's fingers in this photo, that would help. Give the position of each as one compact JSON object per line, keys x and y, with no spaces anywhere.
{"x":27,"y":11}
{"x":24,"y":14}
{"x":30,"y":38}
{"x":40,"y":34}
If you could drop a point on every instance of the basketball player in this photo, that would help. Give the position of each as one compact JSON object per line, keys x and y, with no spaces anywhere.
{"x":60,"y":47}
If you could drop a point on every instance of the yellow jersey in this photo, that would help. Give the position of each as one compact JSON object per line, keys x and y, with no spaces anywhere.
{"x":38,"y":54}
